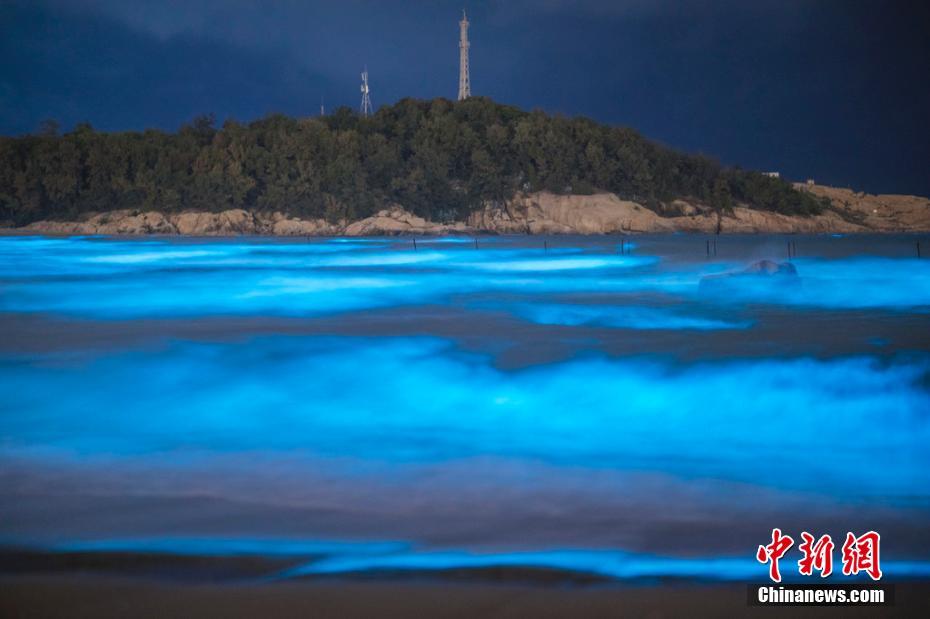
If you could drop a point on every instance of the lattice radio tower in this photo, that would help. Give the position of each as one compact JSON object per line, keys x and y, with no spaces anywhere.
{"x":464,"y":80}
{"x":365,"y":108}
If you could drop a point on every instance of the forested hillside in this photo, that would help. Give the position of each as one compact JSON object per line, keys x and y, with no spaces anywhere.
{"x":436,"y":158}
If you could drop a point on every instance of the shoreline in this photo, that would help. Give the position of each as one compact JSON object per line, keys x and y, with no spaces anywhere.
{"x":251,"y":567}
{"x":465,"y":236}
{"x":101,"y":597}
{"x":528,"y":214}
{"x":101,"y":584}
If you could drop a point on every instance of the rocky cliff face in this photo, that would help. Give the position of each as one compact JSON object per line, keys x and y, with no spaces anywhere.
{"x":880,"y":213}
{"x":538,"y":213}
{"x":545,"y":213}
{"x":226,"y":223}
{"x":396,"y":220}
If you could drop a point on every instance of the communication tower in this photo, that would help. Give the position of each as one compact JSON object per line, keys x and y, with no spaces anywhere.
{"x":366,"y":99}
{"x":464,"y":80}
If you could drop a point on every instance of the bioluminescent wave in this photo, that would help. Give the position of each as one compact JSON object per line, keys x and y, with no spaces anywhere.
{"x":567,"y":404}
{"x":624,"y":317}
{"x":544,"y":264}
{"x":93,"y":277}
{"x":854,"y":283}
{"x":615,"y":565}
{"x":326,"y":558}
{"x":424,"y":403}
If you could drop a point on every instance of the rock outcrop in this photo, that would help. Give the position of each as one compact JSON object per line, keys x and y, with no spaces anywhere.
{"x":547,"y":213}
{"x":879,"y":213}
{"x":537,"y":213}
{"x":768,"y":271}
{"x":747,"y":220}
{"x":225,"y":223}
{"x":396,"y":220}
{"x":285,"y":226}
{"x":605,"y":213}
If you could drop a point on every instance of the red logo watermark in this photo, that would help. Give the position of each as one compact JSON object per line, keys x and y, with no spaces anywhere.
{"x":859,"y":554}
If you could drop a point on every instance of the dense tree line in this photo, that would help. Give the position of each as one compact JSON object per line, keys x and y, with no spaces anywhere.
{"x":437,"y":158}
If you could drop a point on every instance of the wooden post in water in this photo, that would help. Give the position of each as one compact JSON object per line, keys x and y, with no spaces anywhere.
{"x":545,"y":245}
{"x":476,"y":242}
{"x":414,"y":244}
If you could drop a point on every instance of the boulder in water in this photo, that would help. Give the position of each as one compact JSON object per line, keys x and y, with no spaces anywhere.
{"x":768,"y":271}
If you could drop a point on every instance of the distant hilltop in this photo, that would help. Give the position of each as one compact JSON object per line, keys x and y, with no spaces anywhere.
{"x":438,"y":165}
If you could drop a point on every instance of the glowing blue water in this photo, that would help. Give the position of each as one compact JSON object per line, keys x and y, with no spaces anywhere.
{"x":354,"y":557}
{"x":565,"y":407}
{"x":620,"y":317}
{"x":617,"y":565}
{"x":420,"y":402}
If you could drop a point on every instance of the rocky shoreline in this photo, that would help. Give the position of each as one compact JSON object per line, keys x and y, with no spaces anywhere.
{"x":538,"y":213}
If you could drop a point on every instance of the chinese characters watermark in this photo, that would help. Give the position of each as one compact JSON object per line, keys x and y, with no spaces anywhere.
{"x":859,"y":554}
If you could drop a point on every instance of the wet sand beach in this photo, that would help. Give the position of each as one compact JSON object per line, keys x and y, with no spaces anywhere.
{"x":101,"y":598}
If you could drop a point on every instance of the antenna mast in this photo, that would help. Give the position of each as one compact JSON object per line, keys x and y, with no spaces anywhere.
{"x":366,"y":100}
{"x":464,"y":80}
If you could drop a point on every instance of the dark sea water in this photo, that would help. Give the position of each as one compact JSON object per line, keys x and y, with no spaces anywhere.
{"x":369,"y":406}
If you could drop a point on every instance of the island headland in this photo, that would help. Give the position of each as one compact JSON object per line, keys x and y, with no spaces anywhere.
{"x":416,"y":167}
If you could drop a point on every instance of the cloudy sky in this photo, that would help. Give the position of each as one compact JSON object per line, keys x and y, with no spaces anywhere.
{"x":838,"y":90}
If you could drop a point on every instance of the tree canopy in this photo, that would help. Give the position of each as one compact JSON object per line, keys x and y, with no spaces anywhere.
{"x":437,"y":158}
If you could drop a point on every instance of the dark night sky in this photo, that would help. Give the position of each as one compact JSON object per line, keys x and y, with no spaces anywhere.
{"x":838,"y":90}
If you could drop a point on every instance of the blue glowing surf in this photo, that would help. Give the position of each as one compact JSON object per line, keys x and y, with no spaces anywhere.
{"x":564,"y":406}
